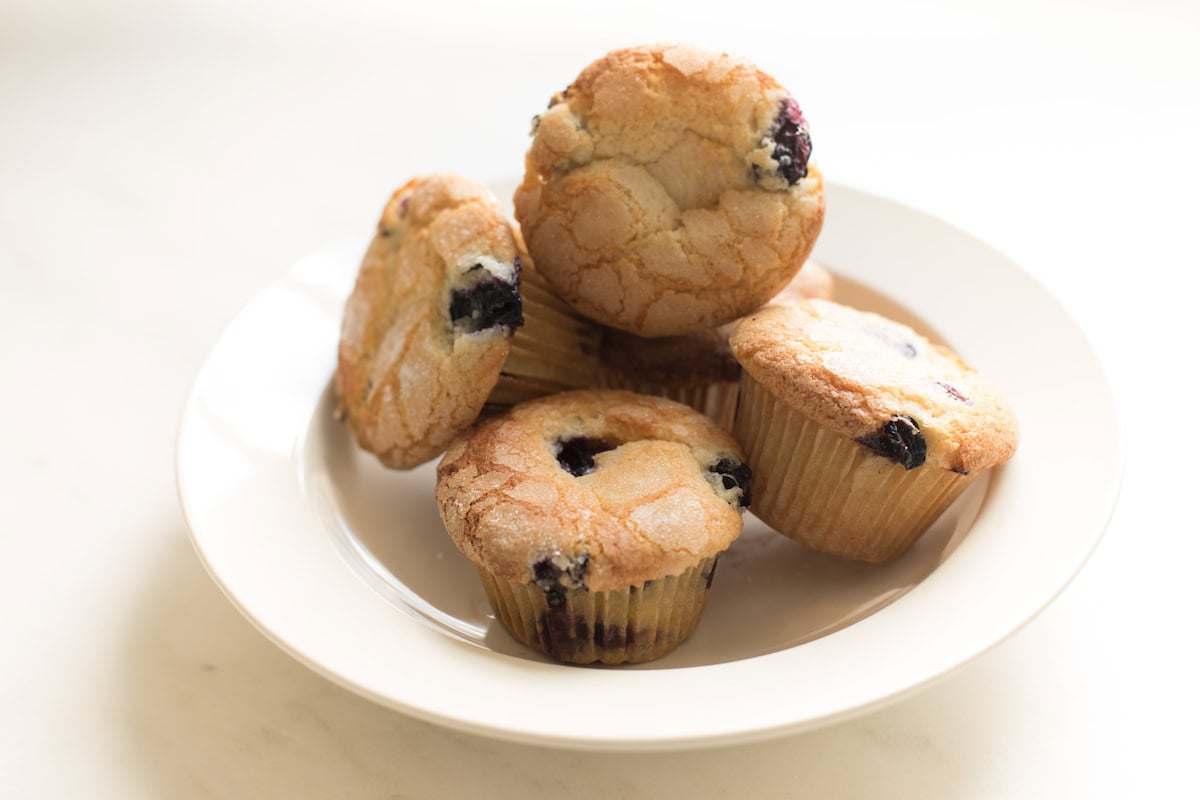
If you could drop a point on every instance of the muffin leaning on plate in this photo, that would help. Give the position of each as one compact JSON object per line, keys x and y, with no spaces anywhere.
{"x":446,"y":314}
{"x":860,"y":431}
{"x":595,"y":519}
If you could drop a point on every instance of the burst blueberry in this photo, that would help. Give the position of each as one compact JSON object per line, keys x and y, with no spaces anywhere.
{"x":489,"y":303}
{"x":578,"y":456}
{"x":549,"y":577}
{"x":955,"y":393}
{"x":793,"y":145}
{"x":900,"y":440}
{"x":734,"y":475}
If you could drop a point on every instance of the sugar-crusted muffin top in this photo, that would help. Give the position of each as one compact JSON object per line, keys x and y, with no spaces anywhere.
{"x":427,"y":328}
{"x":879,"y":382}
{"x":668,"y":189}
{"x":604,"y":489}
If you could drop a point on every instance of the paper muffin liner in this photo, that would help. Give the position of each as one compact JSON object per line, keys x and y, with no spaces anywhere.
{"x":631,"y":625}
{"x":716,"y":400}
{"x":555,"y":350}
{"x":830,"y":492}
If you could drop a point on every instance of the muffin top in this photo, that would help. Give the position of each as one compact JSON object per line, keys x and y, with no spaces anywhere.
{"x":428,"y":326}
{"x":668,"y":189}
{"x":703,"y":357}
{"x":603,"y":489}
{"x":879,"y":382}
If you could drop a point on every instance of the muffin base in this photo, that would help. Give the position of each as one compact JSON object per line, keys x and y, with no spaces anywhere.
{"x":555,"y":350}
{"x":717,"y":401}
{"x":828,"y":491}
{"x":623,"y":626}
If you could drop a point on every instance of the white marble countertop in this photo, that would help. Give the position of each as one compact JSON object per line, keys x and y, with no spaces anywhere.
{"x":160,"y":162}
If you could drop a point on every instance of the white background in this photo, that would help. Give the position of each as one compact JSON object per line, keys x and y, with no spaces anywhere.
{"x":162,"y":162}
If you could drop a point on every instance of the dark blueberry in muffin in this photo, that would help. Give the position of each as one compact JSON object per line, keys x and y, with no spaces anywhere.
{"x":490,"y":303}
{"x":955,"y":393}
{"x":578,"y":456}
{"x":793,"y":145}
{"x":554,"y":580}
{"x":556,"y":597}
{"x":900,"y":440}
{"x":734,"y":474}
{"x":610,"y":637}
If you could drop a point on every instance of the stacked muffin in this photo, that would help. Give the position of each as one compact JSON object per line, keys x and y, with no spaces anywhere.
{"x":668,"y":197}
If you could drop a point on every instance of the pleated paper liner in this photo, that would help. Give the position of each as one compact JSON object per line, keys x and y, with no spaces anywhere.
{"x":555,"y":350}
{"x":637,"y":624}
{"x":828,"y":491}
{"x":717,"y":401}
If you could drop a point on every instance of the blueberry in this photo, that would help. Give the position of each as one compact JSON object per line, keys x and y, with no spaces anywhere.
{"x":793,"y":145}
{"x":955,"y":393}
{"x":900,"y":440}
{"x":490,"y":303}
{"x":548,"y":576}
{"x":734,"y":474}
{"x":556,"y":597}
{"x":610,"y":637}
{"x":556,"y":633}
{"x":578,"y":456}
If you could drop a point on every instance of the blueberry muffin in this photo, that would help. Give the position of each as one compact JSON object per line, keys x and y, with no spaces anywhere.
{"x":447,"y":312}
{"x":697,"y":369}
{"x":860,"y":431}
{"x":668,"y":190}
{"x":595,"y":519}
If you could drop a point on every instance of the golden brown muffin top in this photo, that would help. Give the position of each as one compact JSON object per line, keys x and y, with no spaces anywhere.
{"x":609,"y":488}
{"x":668,"y":190}
{"x":428,"y":325}
{"x":877,"y":381}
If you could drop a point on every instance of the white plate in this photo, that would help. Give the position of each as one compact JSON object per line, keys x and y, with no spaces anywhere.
{"x":345,"y":564}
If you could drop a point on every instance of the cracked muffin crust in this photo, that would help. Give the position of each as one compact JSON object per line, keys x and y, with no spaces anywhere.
{"x":638,"y":485}
{"x":595,"y":519}
{"x":428,"y":331}
{"x":669,"y":189}
{"x":859,"y":430}
{"x":857,"y":373}
{"x":419,"y":349}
